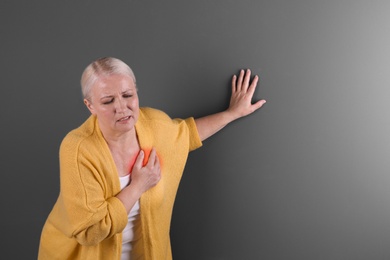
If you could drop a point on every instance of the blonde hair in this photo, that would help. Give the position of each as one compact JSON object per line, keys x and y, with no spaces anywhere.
{"x":103,"y":67}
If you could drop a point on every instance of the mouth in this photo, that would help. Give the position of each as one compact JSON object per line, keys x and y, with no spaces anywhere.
{"x":124,"y":119}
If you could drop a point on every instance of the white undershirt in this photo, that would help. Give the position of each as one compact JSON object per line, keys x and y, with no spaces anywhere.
{"x":131,"y":232}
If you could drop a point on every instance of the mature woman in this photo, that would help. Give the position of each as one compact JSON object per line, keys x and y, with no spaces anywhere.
{"x":120,"y":170}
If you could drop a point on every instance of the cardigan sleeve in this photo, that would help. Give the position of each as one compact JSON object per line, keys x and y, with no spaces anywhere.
{"x":87,"y":213}
{"x":159,"y":125}
{"x":194,"y":139}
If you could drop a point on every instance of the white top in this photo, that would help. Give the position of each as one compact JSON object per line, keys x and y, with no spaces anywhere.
{"x":131,"y":232}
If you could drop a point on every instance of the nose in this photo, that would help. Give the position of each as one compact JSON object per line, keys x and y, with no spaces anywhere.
{"x":120,"y":106}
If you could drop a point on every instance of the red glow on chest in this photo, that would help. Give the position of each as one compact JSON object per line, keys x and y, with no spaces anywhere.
{"x":145,"y":161}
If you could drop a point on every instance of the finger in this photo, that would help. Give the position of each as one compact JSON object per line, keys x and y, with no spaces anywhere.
{"x":152,"y":157}
{"x":246,"y":80}
{"x":252,"y":87}
{"x":234,"y":83}
{"x":157,"y":161}
{"x":139,"y":160}
{"x":240,"y":79}
{"x":258,"y":104}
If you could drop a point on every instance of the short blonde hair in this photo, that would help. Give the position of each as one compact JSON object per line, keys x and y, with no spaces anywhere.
{"x":103,"y":67}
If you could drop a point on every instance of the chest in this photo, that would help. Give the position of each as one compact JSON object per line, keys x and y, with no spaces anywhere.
{"x":124,"y":160}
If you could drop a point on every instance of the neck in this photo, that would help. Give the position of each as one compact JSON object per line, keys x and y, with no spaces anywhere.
{"x":118,"y":140}
{"x":121,"y":139}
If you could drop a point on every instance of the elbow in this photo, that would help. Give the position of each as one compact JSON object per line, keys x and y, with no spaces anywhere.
{"x":90,"y":238}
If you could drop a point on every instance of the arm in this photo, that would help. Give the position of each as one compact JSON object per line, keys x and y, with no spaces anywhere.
{"x":240,"y":106}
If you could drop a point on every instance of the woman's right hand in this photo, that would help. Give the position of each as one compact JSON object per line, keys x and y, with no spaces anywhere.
{"x":145,"y":177}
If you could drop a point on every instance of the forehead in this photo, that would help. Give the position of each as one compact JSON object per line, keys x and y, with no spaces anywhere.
{"x":113,"y":83}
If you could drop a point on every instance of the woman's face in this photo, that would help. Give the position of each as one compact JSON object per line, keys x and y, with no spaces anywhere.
{"x":114,"y":100}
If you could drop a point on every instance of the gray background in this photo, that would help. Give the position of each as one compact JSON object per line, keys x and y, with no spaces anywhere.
{"x":305,"y":177}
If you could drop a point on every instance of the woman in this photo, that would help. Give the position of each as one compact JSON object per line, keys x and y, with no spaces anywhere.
{"x":120,"y":170}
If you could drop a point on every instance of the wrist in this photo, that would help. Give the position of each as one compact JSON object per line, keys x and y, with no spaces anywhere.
{"x":230,"y":115}
{"x":135,"y":189}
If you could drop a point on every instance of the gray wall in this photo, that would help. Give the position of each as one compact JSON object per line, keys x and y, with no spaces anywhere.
{"x":305,"y":177}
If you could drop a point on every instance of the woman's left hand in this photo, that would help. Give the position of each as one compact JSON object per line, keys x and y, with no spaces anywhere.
{"x":242,"y":94}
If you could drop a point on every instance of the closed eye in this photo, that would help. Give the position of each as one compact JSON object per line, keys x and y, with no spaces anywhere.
{"x":108,"y":101}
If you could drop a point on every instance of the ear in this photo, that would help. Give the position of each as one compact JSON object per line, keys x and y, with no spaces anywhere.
{"x":89,"y":106}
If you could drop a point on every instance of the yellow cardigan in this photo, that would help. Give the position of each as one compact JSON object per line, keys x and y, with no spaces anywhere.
{"x":87,"y":220}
